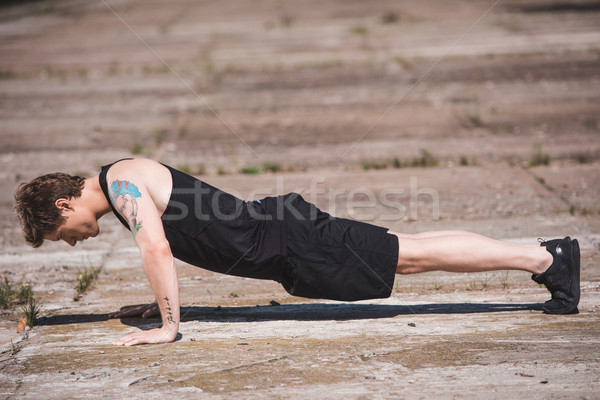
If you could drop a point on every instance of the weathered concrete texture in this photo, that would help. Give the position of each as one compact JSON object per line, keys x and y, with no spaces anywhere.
{"x":440,"y":334}
{"x":306,"y":89}
{"x":461,"y":344}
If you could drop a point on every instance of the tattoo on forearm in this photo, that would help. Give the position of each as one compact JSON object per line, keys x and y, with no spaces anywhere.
{"x":169,"y":312}
{"x":123,"y":195}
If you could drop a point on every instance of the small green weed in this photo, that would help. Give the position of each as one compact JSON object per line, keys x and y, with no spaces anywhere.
{"x":542,"y":182}
{"x":250,"y":170}
{"x":162,"y":69}
{"x":31,"y":311}
{"x":206,"y":63}
{"x":360,"y":30}
{"x":6,"y":293}
{"x":425,"y":160}
{"x":465,"y":161}
{"x":86,"y":278}
{"x":7,"y":74}
{"x":504,"y":280}
{"x":584,"y":211}
{"x":591,"y":124}
{"x":367,"y":165}
{"x":405,"y":63}
{"x":539,"y":157}
{"x":582,"y":158}
{"x":390,"y":17}
{"x":272,"y":167}
{"x":472,"y":286}
{"x":512,"y":160}
{"x":475,"y":121}
{"x":14,"y":349}
{"x":137,"y":148}
{"x":286,"y":21}
{"x":484,"y":282}
{"x":436,"y":285}
{"x":159,"y":136}
{"x":114,"y":68}
{"x":25,"y":293}
{"x":233,"y":294}
{"x":185,"y":168}
{"x":200,"y":169}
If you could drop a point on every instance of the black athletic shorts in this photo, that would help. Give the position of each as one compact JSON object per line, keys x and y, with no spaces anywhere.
{"x":336,"y":258}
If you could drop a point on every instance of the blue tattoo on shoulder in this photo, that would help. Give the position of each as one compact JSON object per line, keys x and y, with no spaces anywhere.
{"x":122,"y":188}
{"x":123,"y":195}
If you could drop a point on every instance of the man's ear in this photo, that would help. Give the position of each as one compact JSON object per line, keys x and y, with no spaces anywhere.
{"x":63,"y":205}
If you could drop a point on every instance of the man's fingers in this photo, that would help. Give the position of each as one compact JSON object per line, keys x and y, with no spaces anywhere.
{"x":136,"y":311}
{"x":123,"y":340}
{"x":116,"y":314}
{"x":126,"y":340}
{"x":124,"y":313}
{"x":151,"y":312}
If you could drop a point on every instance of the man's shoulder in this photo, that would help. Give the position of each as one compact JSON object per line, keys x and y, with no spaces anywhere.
{"x":145,"y":175}
{"x":142,"y":170}
{"x":135,"y":166}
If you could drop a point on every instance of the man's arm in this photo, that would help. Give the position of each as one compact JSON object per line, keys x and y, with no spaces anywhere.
{"x":133,"y":202}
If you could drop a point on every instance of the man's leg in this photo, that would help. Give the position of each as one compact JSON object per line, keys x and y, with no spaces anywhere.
{"x":460,"y":251}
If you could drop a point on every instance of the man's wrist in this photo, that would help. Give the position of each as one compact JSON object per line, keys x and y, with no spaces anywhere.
{"x":170,"y":329}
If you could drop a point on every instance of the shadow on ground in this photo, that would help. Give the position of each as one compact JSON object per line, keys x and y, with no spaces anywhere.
{"x":303,"y":312}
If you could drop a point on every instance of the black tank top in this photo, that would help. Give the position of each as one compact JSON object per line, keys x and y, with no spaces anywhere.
{"x":209,"y":228}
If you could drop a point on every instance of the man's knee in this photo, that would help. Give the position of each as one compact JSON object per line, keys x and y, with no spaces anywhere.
{"x":403,"y":269}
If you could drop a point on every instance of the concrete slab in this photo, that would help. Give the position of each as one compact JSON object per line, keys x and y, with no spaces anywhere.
{"x":340,"y":99}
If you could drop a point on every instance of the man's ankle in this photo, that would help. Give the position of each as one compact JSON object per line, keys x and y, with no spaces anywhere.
{"x":544,"y":262}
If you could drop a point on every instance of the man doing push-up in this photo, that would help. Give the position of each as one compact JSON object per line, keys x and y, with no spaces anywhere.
{"x":283,"y":238}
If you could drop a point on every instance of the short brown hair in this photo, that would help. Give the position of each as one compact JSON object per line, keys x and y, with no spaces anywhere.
{"x":34,"y":204}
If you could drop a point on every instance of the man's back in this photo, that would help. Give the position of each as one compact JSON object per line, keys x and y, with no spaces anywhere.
{"x":203,"y":225}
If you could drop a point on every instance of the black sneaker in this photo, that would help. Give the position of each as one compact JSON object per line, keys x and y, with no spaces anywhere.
{"x":562,"y":277}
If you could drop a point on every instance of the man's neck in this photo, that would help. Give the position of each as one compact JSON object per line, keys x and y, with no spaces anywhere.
{"x":94,"y":198}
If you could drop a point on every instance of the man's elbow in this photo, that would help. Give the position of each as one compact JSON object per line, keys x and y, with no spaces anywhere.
{"x":158,"y":249}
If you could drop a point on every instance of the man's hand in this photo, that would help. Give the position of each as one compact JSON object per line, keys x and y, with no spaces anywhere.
{"x":144,"y":311}
{"x":157,"y":335}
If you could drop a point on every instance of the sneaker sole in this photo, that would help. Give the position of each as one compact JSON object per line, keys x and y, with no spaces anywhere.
{"x":571,"y":308}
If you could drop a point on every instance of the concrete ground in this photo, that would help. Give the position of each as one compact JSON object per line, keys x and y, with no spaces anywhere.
{"x":474,"y":115}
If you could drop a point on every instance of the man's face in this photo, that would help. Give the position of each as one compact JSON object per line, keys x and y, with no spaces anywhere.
{"x":80,"y":224}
